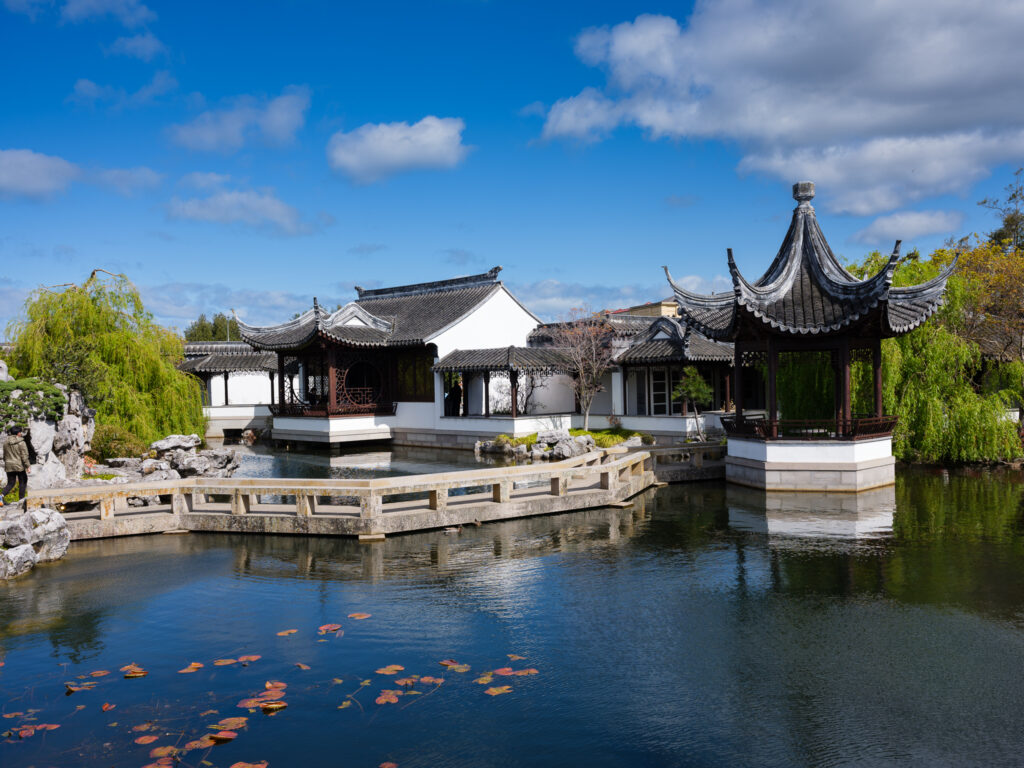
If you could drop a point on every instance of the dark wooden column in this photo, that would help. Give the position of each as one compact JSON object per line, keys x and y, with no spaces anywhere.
{"x":226,"y":377}
{"x":844,"y":373}
{"x":487,"y":393}
{"x":271,"y":375}
{"x":465,"y":394}
{"x":876,"y":360}
{"x":737,"y":372}
{"x":513,"y":377}
{"x":332,"y":380}
{"x":280,"y":378}
{"x":728,"y":381}
{"x":773,"y":408}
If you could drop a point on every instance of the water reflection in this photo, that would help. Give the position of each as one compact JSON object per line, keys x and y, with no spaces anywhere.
{"x":812,"y":515}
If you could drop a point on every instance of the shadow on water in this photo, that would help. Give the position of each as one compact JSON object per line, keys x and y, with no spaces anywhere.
{"x":704,"y":626}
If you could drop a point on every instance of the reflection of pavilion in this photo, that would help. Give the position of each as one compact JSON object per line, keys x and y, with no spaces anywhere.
{"x":815,"y":515}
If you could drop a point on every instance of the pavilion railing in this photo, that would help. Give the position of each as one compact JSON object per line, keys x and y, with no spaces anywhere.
{"x":342,"y":409}
{"x":760,"y":428}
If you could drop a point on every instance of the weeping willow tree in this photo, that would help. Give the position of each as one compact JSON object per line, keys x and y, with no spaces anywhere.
{"x":99,"y":338}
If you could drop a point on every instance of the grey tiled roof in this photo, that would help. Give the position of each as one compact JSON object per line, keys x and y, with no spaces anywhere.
{"x":677,"y":344}
{"x":806,"y":290}
{"x":398,"y":316}
{"x":521,"y":359}
{"x":623,"y":326}
{"x":254,"y":361}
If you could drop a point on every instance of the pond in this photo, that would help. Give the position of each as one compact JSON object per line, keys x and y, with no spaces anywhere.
{"x":706,"y":626}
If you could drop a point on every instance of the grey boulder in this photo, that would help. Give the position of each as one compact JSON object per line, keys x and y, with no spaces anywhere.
{"x":17,"y":561}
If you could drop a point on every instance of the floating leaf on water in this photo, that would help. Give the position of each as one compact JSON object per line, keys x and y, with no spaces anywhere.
{"x":99,"y":673}
{"x":359,"y":616}
{"x":407,"y":680}
{"x":530,"y":671}
{"x":208,"y":712}
{"x":270,"y":707}
{"x":261,"y":764}
{"x":328,"y":628}
{"x":498,"y":690}
{"x":224,"y":662}
{"x":205,"y":742}
{"x":504,"y":671}
{"x":47,"y":727}
{"x":270,"y":695}
{"x":515,"y":657}
{"x":249,"y":704}
{"x":146,"y":739}
{"x":365,"y":683}
{"x":167,"y":751}
{"x":390,"y":669}
{"x":195,"y":666}
{"x":108,"y":707}
{"x":73,"y":688}
{"x":388,"y":697}
{"x":224,"y":736}
{"x":231,"y":723}
{"x":25,"y":733}
{"x":247,"y":659}
{"x":485,"y":679}
{"x":431,"y":680}
{"x":448,"y":663}
{"x":300,"y":665}
{"x":79,"y":707}
{"x":345,"y":704}
{"x":388,"y":765}
{"x":275,"y":685}
{"x":142,"y":727}
{"x":287,"y":632}
{"x":413,"y":693}
{"x":133,"y":671}
{"x":460,"y":668}
{"x":10,"y":715}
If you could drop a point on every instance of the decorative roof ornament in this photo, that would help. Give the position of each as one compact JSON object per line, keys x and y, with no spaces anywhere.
{"x":807,"y":290}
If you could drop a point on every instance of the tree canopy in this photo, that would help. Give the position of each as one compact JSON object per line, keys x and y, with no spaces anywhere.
{"x":221,"y":328}
{"x":99,"y":338}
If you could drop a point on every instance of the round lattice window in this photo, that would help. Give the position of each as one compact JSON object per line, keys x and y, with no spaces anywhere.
{"x":360,"y":385}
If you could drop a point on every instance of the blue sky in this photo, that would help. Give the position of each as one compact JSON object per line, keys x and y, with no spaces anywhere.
{"x":253,"y":155}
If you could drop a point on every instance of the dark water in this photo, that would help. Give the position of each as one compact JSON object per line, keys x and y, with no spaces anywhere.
{"x":705,"y":627}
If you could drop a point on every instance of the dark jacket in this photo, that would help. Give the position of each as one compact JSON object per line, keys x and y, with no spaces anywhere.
{"x":16,"y":454}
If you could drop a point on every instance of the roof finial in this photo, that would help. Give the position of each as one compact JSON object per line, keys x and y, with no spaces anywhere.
{"x":803,"y":191}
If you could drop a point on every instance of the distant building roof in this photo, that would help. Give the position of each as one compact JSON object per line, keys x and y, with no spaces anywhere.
{"x":537,"y":360}
{"x":399,"y":316}
{"x":225,"y":357}
{"x":806,"y":290}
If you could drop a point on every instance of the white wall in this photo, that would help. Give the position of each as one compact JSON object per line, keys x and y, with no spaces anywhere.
{"x":811,"y":451}
{"x":499,"y":322}
{"x":554,"y":395}
{"x":603,"y":400}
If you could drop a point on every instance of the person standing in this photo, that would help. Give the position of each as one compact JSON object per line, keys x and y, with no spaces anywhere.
{"x":17,"y":464}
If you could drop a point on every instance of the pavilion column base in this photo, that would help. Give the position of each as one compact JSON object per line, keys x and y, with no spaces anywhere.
{"x":845,"y":466}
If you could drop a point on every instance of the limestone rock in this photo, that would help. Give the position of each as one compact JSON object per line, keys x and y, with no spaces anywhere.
{"x":585,"y":442}
{"x":16,"y":531}
{"x":149,"y":466}
{"x":175,"y":442}
{"x":4,"y":375}
{"x":552,"y":436}
{"x":131,"y":464}
{"x":49,"y":474}
{"x":41,"y":433}
{"x":194,"y":465}
{"x":50,"y":535}
{"x":632,"y":442}
{"x":538,"y":454}
{"x":17,"y":561}
{"x":564,"y":449}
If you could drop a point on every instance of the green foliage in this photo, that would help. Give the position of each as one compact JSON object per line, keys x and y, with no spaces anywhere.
{"x":99,"y":338}
{"x":805,"y":384}
{"x":37,"y":399}
{"x":692,"y":387}
{"x":606,"y":438}
{"x":110,"y":440}
{"x":221,"y":328}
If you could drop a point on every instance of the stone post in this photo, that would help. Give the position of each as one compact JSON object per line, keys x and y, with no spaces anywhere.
{"x":305,"y":504}
{"x":559,"y":485}
{"x":370,"y":504}
{"x":240,"y":503}
{"x":501,"y":491}
{"x":439,"y":499}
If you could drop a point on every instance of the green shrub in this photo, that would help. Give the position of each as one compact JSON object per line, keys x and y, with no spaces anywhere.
{"x":111,"y":441}
{"x":38,"y":399}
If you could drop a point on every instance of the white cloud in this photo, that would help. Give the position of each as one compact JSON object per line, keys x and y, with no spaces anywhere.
{"x":226,"y":130}
{"x":907,"y":225}
{"x":28,"y":7}
{"x":205,"y":180}
{"x":553,"y":299}
{"x":376,"y":150}
{"x":255,"y":208}
{"x":24,"y":173}
{"x":128,"y":181}
{"x":88,"y":93}
{"x":795,"y":80}
{"x":131,"y":13}
{"x":180,"y":303}
{"x":145,"y":46}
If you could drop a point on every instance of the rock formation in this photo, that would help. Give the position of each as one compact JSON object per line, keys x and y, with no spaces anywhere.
{"x":27,"y":538}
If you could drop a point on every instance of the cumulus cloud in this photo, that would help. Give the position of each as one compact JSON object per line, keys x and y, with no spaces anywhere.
{"x":143,"y":46}
{"x":28,"y":7}
{"x":88,"y":93}
{"x":24,"y":173}
{"x":274,"y":120}
{"x":376,"y":150}
{"x":254,"y":208}
{"x":553,"y":299}
{"x":131,"y":13}
{"x":796,"y":81}
{"x":205,"y":180}
{"x":180,"y":303}
{"x":129,"y":181}
{"x":907,"y":225}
